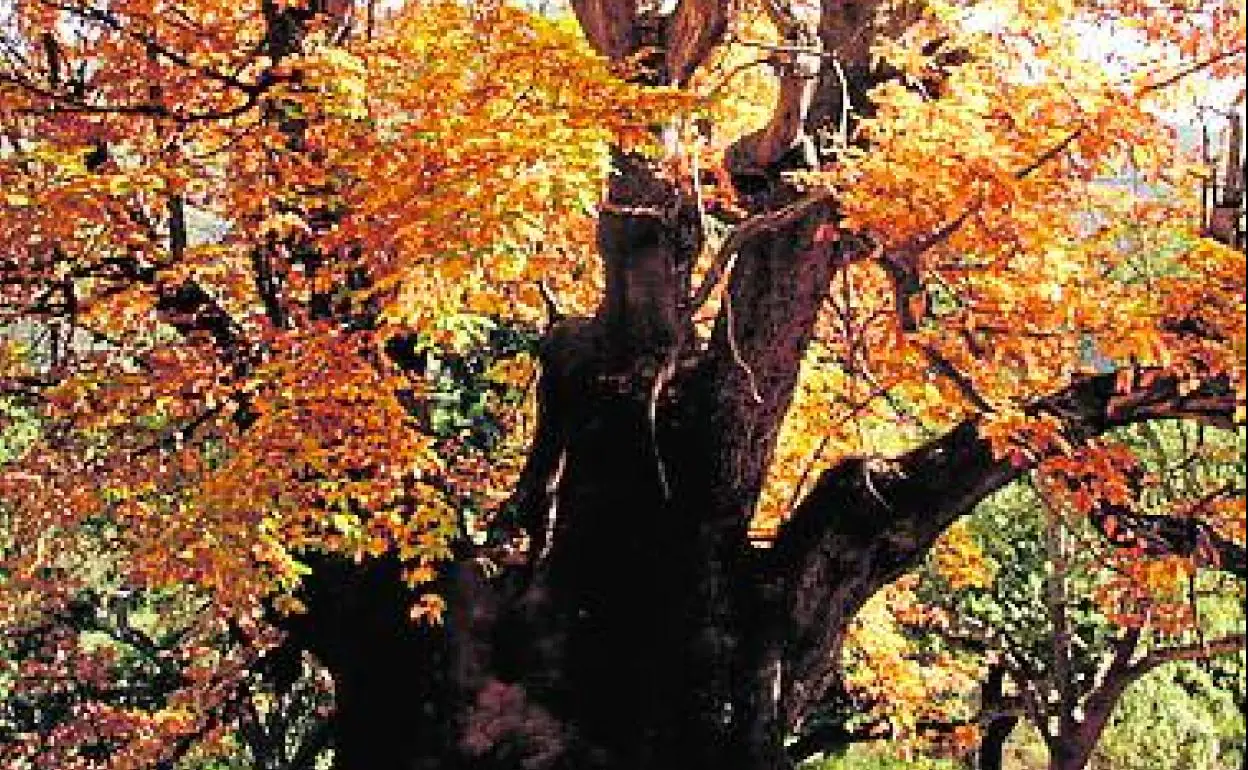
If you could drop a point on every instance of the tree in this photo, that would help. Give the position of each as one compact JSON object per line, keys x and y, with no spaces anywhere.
{"x":1183,"y":716}
{"x":1068,"y":624}
{"x":254,"y":412}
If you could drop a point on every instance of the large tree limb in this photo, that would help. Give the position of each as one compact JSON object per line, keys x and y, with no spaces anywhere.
{"x":947,"y":477}
{"x":609,"y":25}
{"x":693,"y":31}
{"x":1162,"y":535}
{"x":1122,"y":672}
{"x":867,"y":520}
{"x":683,"y":33}
{"x":779,"y":281}
{"x":757,"y":153}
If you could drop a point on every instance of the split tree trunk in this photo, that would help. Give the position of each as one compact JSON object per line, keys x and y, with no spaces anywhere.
{"x":638,"y":634}
{"x":646,"y":632}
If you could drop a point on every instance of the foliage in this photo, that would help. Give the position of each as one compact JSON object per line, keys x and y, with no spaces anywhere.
{"x":288,"y":270}
{"x":1179,"y":717}
{"x":876,"y":759}
{"x":1034,"y":589}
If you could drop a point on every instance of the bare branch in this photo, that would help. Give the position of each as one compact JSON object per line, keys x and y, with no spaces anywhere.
{"x":1198,"y":651}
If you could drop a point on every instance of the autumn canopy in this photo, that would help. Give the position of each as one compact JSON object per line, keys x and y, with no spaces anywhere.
{"x":572,"y":376}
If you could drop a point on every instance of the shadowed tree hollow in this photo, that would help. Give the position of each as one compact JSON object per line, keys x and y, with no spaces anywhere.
{"x":251,"y":245}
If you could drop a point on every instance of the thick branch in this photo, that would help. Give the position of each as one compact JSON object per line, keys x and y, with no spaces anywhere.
{"x":1161,"y":535}
{"x":947,"y":477}
{"x":760,"y":151}
{"x":682,"y":36}
{"x":692,"y":31}
{"x":866,"y":521}
{"x":847,"y":32}
{"x":609,"y":25}
{"x":779,"y":280}
{"x":1224,"y":646}
{"x":1121,"y":673}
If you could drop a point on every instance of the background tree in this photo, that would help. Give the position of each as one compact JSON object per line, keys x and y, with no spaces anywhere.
{"x":1066,"y":623}
{"x":260,"y":418}
{"x":958,"y":654}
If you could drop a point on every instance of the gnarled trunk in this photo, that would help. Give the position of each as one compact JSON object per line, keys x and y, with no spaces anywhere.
{"x":638,"y":634}
{"x":645,"y":632}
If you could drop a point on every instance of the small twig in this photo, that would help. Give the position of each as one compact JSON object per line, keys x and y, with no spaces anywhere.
{"x":732,"y":73}
{"x":554,"y":313}
{"x":744,"y":234}
{"x":1051,"y":153}
{"x":736,"y":352}
{"x":844,"y":82}
{"x":1192,"y":70}
{"x":806,"y":471}
{"x":866,"y":478}
{"x":964,"y":384}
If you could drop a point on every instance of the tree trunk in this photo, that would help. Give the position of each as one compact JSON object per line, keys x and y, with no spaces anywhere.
{"x":1000,"y":722}
{"x":625,"y":647}
{"x":637,"y":635}
{"x":645,"y":632}
{"x":992,"y":745}
{"x":1069,"y":754}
